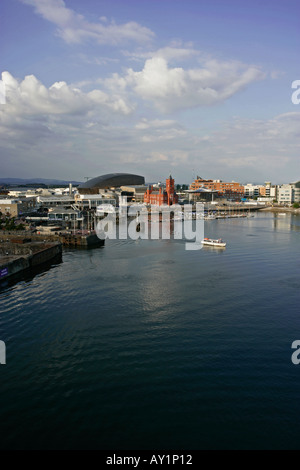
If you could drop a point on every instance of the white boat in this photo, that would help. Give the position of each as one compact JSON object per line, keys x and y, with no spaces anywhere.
{"x":211,"y":242}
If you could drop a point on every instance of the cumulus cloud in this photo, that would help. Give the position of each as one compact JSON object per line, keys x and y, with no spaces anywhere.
{"x":57,"y":128}
{"x":174,"y":88}
{"x":38,"y":122}
{"x":75,"y":28}
{"x":29,"y":97}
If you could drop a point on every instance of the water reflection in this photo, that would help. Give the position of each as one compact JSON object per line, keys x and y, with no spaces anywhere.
{"x":286,"y":222}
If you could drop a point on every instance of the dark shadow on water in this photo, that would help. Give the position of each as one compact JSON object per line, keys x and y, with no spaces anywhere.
{"x":68,"y":249}
{"x":29,"y":274}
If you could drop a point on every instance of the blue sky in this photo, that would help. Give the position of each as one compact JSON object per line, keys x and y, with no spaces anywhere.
{"x":150,"y":87}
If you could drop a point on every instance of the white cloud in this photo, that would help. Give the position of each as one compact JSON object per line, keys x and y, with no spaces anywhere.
{"x":2,"y":93}
{"x":254,"y":148}
{"x":53,"y":124}
{"x":97,"y":60}
{"x":74,"y":28}
{"x":100,"y":130}
{"x":159,"y":130}
{"x":156,"y":124}
{"x":30,"y":97}
{"x":276,"y":74}
{"x":155,"y":157}
{"x":169,"y":53}
{"x":174,"y":88}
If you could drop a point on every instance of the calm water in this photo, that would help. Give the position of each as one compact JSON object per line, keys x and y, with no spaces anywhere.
{"x":143,"y":345}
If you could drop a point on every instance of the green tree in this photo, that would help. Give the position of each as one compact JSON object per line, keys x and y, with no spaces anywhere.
{"x":296,"y":205}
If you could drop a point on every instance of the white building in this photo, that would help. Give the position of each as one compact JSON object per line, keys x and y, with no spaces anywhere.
{"x":91,"y":201}
{"x":289,"y":193}
{"x":17,"y":193}
{"x":50,"y":201}
{"x":61,"y":214}
{"x":251,"y":190}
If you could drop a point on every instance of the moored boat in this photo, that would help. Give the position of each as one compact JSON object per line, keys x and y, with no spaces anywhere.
{"x":211,"y":242}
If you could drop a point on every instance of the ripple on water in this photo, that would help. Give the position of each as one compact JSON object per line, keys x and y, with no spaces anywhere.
{"x":144,"y":344}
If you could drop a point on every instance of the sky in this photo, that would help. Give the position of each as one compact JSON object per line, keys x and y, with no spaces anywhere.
{"x":151,"y":87}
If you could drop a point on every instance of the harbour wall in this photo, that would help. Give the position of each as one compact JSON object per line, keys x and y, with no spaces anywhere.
{"x":20,"y":258}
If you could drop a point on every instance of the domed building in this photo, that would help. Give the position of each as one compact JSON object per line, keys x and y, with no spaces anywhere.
{"x":111,"y":180}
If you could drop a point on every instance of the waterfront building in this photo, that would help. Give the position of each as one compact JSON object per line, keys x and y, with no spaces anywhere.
{"x":17,"y":193}
{"x":289,"y":193}
{"x":91,"y":201}
{"x":134,"y":193}
{"x":160,"y":196}
{"x":61,"y":214}
{"x":202,"y":194}
{"x":53,"y":201}
{"x":111,"y":180}
{"x":273,"y":192}
{"x":268,"y":189}
{"x":252,"y":190}
{"x":231,"y":190}
{"x":262,"y":191}
{"x":16,"y":207}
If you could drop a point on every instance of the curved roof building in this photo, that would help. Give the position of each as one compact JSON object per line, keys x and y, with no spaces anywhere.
{"x":112,"y":180}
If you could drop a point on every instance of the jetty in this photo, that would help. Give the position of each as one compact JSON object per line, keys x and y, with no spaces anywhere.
{"x":79,"y":240}
{"x":20,"y":254}
{"x":84,"y":239}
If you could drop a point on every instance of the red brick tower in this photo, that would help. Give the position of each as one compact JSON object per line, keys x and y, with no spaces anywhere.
{"x":170,"y":189}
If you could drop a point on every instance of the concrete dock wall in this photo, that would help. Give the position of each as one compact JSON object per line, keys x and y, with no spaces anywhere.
{"x":45,"y":255}
{"x":13,"y":264}
{"x":70,"y":239}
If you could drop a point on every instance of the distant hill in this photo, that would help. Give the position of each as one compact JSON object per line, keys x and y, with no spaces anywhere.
{"x":35,"y":181}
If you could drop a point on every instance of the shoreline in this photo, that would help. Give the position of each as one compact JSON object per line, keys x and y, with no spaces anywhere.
{"x":286,"y":210}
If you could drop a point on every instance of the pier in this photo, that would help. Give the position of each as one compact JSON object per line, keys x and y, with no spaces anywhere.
{"x":78,"y":239}
{"x":20,"y":254}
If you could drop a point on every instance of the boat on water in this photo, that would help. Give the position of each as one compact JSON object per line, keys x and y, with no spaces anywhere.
{"x":211,"y":242}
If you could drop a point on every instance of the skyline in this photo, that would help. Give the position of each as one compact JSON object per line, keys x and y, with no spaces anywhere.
{"x":102,"y":87}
